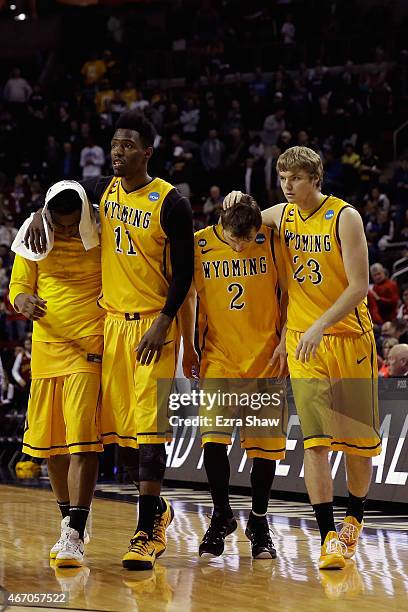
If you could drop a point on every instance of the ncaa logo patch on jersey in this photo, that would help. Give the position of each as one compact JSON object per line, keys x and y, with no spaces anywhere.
{"x":260,"y":238}
{"x":202,"y":242}
{"x":154,"y":196}
{"x":329,"y":214}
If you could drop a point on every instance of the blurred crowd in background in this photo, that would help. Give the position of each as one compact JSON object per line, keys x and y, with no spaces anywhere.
{"x":228,"y":89}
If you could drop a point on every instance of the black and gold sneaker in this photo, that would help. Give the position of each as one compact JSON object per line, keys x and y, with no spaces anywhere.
{"x":161,"y":523}
{"x":141,"y":554}
{"x":258,"y":533}
{"x":212,"y":544}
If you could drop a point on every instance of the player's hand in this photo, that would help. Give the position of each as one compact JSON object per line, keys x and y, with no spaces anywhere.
{"x":232,"y":198}
{"x":280,"y":354}
{"x":35,"y":235}
{"x":151,"y":344}
{"x":31,"y":306}
{"x":191,"y":363}
{"x":309,"y":343}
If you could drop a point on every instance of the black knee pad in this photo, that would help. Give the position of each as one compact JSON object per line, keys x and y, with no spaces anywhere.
{"x":129,"y":461}
{"x":152,"y":462}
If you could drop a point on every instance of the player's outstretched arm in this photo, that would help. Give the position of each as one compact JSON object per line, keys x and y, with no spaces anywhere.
{"x":271,"y":216}
{"x":187,"y":315}
{"x":355,"y":260}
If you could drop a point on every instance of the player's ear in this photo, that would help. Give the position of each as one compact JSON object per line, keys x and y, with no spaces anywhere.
{"x":148,"y":153}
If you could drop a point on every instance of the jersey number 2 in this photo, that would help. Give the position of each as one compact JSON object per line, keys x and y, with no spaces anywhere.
{"x":118,"y":239}
{"x":239,"y":290}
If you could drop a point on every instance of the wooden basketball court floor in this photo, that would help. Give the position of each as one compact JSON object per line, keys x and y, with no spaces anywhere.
{"x":181,"y":581}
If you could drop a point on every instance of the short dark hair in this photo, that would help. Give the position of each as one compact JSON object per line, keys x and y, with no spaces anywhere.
{"x":133,"y":120}
{"x":65,"y":202}
{"x":242,"y":217}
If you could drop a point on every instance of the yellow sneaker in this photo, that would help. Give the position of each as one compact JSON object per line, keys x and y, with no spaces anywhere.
{"x":161,"y":523}
{"x":333,"y":550}
{"x":141,"y":554}
{"x":349,"y":534}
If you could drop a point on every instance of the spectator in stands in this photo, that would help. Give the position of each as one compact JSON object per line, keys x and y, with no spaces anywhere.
{"x":35,"y":197}
{"x":69,"y":163}
{"x":190,"y":119}
{"x":256,"y":148}
{"x":17,"y":197}
{"x":273,"y":127}
{"x":212,"y":206}
{"x":130,"y":93}
{"x":386,"y":346}
{"x":369,"y":168}
{"x":212,"y":154}
{"x":398,"y":360}
{"x":92,"y":159}
{"x":380,"y":229}
{"x":253,"y":179}
{"x":373,"y":308}
{"x":103,"y":96}
{"x":17,"y":91}
{"x":93,"y":69}
{"x":375,"y":200}
{"x":21,"y":371}
{"x":116,"y":105}
{"x":8,"y":231}
{"x":351,"y":162}
{"x":52,"y":158}
{"x":385,"y":291}
{"x":403,"y":309}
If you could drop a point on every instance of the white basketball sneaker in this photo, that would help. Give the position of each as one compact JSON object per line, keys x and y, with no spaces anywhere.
{"x":72,"y":550}
{"x":64,"y":530}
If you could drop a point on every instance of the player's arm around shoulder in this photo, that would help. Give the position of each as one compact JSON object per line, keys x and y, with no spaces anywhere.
{"x":354,"y":250}
{"x":270,"y":216}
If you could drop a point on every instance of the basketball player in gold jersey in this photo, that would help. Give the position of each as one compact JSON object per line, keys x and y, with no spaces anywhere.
{"x":147,"y":267}
{"x":62,"y":422}
{"x":239,"y":332}
{"x":329,"y":342}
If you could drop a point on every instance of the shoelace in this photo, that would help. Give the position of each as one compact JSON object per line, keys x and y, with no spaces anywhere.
{"x":157,"y":527}
{"x":335,"y":546}
{"x":68,"y":544}
{"x":349,"y":532}
{"x":263,"y":532}
{"x":138,"y":545}
{"x":215,"y":532}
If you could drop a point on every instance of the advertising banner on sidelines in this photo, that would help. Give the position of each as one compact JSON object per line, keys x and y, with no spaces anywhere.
{"x":390,"y":474}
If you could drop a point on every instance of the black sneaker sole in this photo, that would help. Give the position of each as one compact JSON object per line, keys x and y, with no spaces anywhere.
{"x":137,"y":565}
{"x":265,"y":554}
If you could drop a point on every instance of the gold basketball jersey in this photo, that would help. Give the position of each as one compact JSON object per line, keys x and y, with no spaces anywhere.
{"x":136,"y":269}
{"x":314,"y":267}
{"x":237,"y":292}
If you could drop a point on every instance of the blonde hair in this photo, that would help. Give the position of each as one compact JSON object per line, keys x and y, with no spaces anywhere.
{"x":301,"y":158}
